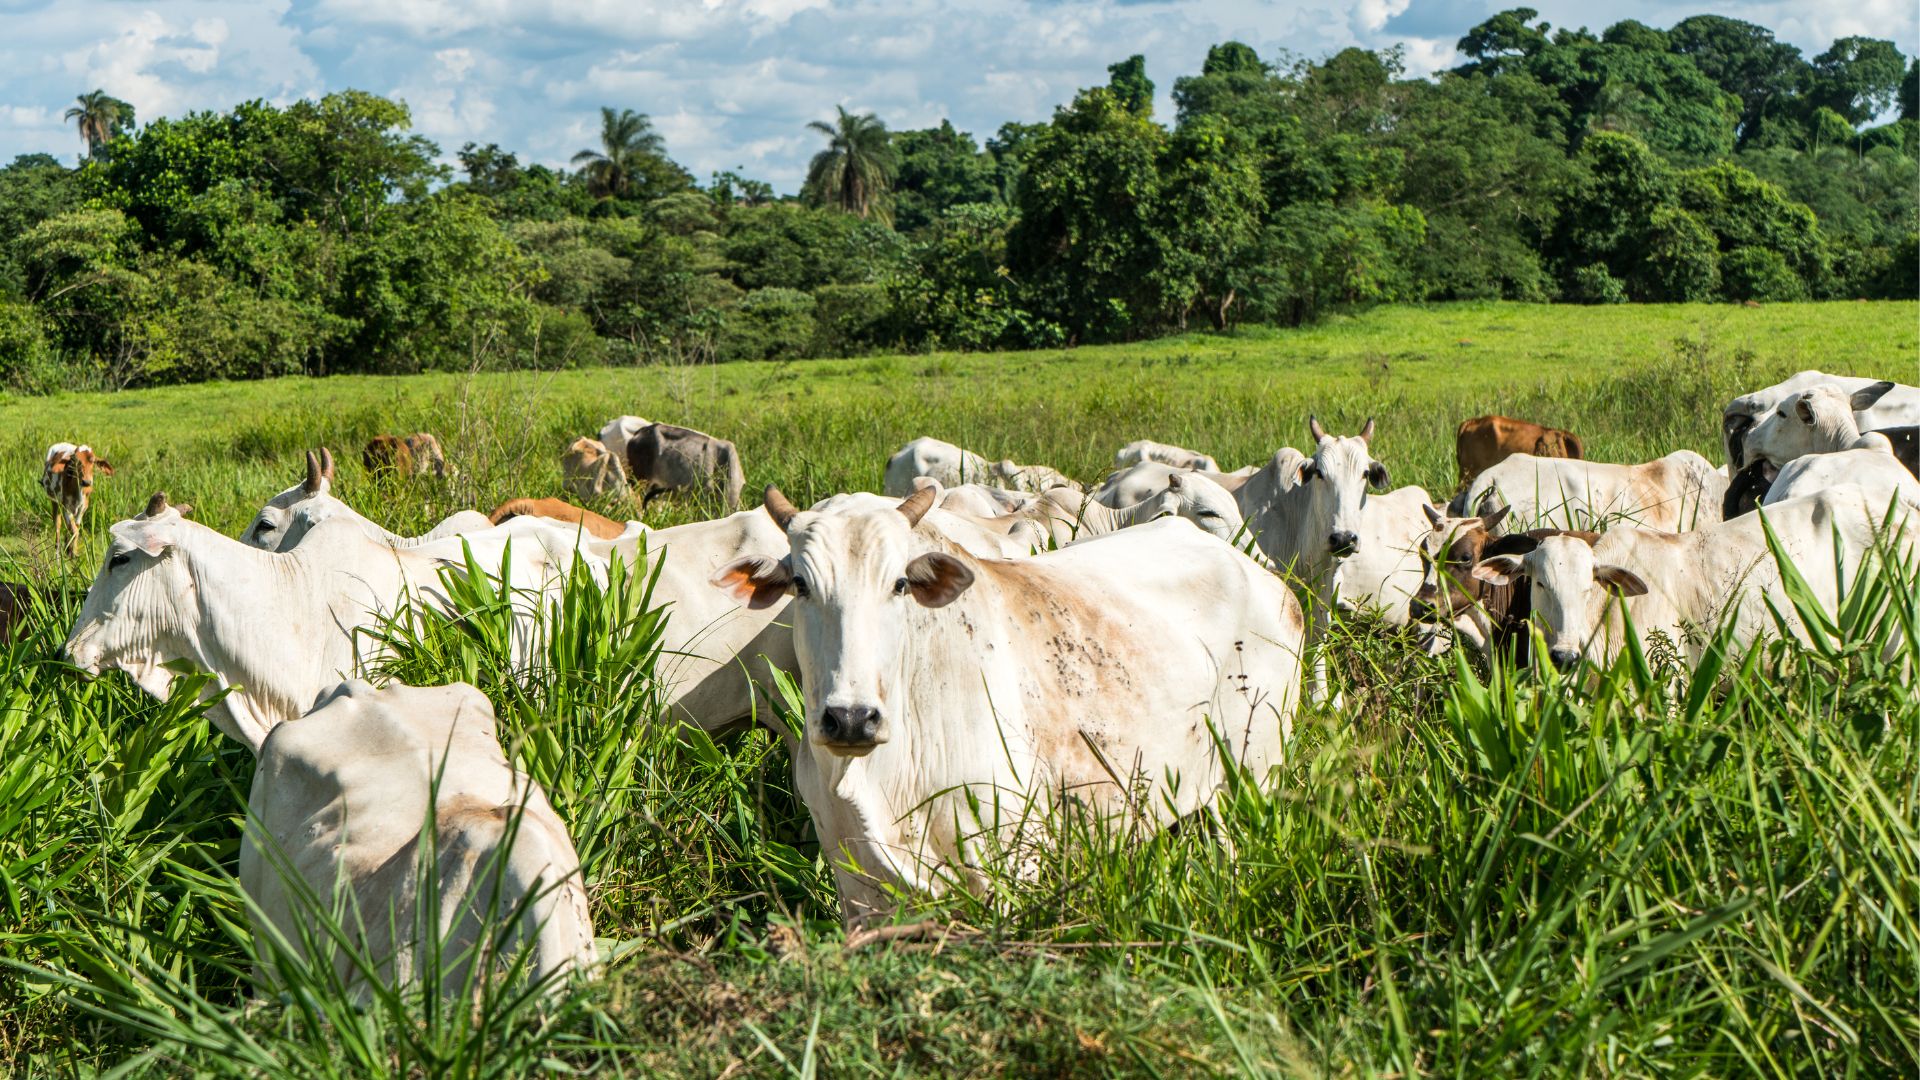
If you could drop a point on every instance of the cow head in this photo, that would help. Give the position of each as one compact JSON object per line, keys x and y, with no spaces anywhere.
{"x":72,"y":467}
{"x":290,"y":515}
{"x":855,"y":582}
{"x":1205,"y":503}
{"x":1569,"y":590}
{"x":1340,"y":471}
{"x":1448,"y":555}
{"x":141,"y":607}
{"x":1817,"y":420}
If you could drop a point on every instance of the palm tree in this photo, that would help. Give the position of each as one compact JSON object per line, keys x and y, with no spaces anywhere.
{"x":856,"y":168}
{"x":99,"y":116}
{"x":627,"y":138}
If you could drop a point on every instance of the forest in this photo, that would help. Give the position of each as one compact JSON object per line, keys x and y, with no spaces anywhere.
{"x":1709,"y":161}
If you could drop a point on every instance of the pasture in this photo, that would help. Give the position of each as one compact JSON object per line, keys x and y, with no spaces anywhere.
{"x":1460,"y":871}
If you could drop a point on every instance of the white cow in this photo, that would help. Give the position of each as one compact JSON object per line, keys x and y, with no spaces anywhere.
{"x":1685,"y":585}
{"x":1067,"y":515}
{"x":279,"y":628}
{"x":289,"y":516}
{"x":1878,"y":475}
{"x":1819,"y":420}
{"x":936,"y":681}
{"x":1142,"y":481}
{"x":339,"y":799}
{"x":1899,"y":406}
{"x":1678,"y":492}
{"x":1385,"y":570}
{"x":980,"y":500}
{"x":1167,"y":454}
{"x":618,"y":432}
{"x":932,"y":457}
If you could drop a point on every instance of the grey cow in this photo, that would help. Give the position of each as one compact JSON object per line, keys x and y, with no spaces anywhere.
{"x":665,"y":457}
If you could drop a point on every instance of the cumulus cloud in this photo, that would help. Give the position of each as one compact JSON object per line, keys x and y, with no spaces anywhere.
{"x":729,"y":83}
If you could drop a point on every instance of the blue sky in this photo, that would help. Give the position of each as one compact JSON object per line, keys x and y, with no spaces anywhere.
{"x":730,"y":83}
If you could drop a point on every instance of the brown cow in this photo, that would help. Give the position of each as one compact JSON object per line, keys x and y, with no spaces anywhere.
{"x":413,"y":455}
{"x":67,"y":478}
{"x":603,"y":528}
{"x":1449,"y":591}
{"x":665,"y":457}
{"x":1485,"y":441}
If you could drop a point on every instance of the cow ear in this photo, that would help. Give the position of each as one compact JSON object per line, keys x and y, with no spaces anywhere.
{"x":938,"y":579}
{"x":155,"y":538}
{"x":755,"y":580}
{"x":1804,"y":407}
{"x":1499,"y":570}
{"x":1517,"y":544}
{"x":103,"y":465}
{"x":1377,"y":476}
{"x":1620,"y":579}
{"x":1865,"y":397}
{"x":1307,"y":471}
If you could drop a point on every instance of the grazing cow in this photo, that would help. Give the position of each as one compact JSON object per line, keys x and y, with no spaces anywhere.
{"x":1492,"y":618}
{"x":289,"y":516}
{"x":1067,"y":515}
{"x":1898,"y":407}
{"x":1177,"y":456}
{"x":1485,"y":441}
{"x":1677,"y":492}
{"x":1383,"y":573}
{"x":1820,"y":420}
{"x":67,"y":477}
{"x":944,"y":690}
{"x":418,"y":454}
{"x":278,"y":628}
{"x":666,"y":458}
{"x":590,"y":471}
{"x":618,"y":432}
{"x":1878,"y":474}
{"x":1142,"y":481}
{"x":597,"y":526}
{"x":1685,"y":585}
{"x":340,"y":798}
{"x":1032,"y":479}
{"x":942,"y":461}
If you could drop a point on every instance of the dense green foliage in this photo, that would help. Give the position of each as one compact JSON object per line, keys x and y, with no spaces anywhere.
{"x":1466,"y":871}
{"x":1708,"y":161}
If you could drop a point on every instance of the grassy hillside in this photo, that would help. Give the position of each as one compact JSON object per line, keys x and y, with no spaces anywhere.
{"x":1461,"y":872}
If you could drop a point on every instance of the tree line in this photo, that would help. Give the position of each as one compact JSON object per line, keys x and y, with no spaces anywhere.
{"x":1705,"y":162}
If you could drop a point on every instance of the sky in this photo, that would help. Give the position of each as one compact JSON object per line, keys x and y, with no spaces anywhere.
{"x":731,"y":84}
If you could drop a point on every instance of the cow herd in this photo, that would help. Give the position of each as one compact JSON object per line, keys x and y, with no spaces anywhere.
{"x":973,"y":643}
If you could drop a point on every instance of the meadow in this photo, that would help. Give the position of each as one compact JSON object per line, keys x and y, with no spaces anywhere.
{"x":1465,"y":870}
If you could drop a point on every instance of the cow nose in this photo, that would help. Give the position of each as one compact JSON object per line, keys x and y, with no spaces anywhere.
{"x":1342,"y":543}
{"x":1563,"y":658}
{"x":850,"y":725}
{"x":1420,"y":609}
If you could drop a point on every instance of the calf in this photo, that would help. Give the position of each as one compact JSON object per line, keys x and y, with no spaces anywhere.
{"x":341,"y":800}
{"x":667,"y":458}
{"x":590,"y":471}
{"x":951,"y":700}
{"x":1485,"y":441}
{"x":599,"y":527}
{"x":1492,"y":617}
{"x":67,"y":478}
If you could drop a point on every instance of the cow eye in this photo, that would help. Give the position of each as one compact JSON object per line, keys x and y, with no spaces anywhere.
{"x":800,"y":588}
{"x":261,"y":529}
{"x":1209,"y":514}
{"x":900,"y":587}
{"x":119,"y":560}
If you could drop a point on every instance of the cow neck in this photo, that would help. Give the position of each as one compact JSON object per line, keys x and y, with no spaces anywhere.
{"x":1097,"y":519}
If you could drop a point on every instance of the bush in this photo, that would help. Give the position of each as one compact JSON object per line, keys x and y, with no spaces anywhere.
{"x":28,"y":363}
{"x":1751,"y":273}
{"x":768,"y":324}
{"x":851,"y":319}
{"x":1592,"y":284}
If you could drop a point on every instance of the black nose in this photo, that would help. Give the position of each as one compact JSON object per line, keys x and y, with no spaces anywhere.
{"x":1420,"y":609}
{"x":1343,"y":543}
{"x":1563,"y":658}
{"x":850,"y":725}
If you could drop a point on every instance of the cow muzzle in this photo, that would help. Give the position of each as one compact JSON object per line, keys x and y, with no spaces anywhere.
{"x":1342,"y":544}
{"x":1563,"y":658}
{"x":852,"y":729}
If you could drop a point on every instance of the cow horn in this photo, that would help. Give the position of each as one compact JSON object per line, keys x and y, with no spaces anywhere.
{"x":157,"y":505}
{"x":1313,"y":426}
{"x":312,"y":485}
{"x":326,"y":465}
{"x":1366,"y":433}
{"x":777,"y":506}
{"x":916,"y":505}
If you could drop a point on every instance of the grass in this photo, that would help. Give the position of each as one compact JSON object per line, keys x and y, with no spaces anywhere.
{"x":1468,"y":871}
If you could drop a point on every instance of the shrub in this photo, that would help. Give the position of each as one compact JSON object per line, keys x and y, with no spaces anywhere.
{"x":768,"y":324}
{"x":28,"y":363}
{"x":1751,"y":273}
{"x":851,"y":319}
{"x":1592,"y":284}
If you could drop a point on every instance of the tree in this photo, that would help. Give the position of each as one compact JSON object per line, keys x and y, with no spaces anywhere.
{"x":100,"y":116}
{"x":631,"y":161}
{"x":1910,"y":92}
{"x":1857,"y":77}
{"x":1504,"y":42}
{"x":1747,"y":62}
{"x":1128,"y":82}
{"x":857,"y":168}
{"x":939,"y":168}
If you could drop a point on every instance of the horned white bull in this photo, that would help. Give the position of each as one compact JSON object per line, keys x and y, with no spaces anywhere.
{"x":289,"y":516}
{"x":341,"y":798}
{"x":1898,"y":407}
{"x":1167,"y":454}
{"x":1685,"y":585}
{"x":1678,"y":492}
{"x":935,"y":681}
{"x":278,"y":629}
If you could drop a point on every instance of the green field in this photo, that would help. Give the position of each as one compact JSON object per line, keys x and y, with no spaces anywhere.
{"x":1462,"y":872}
